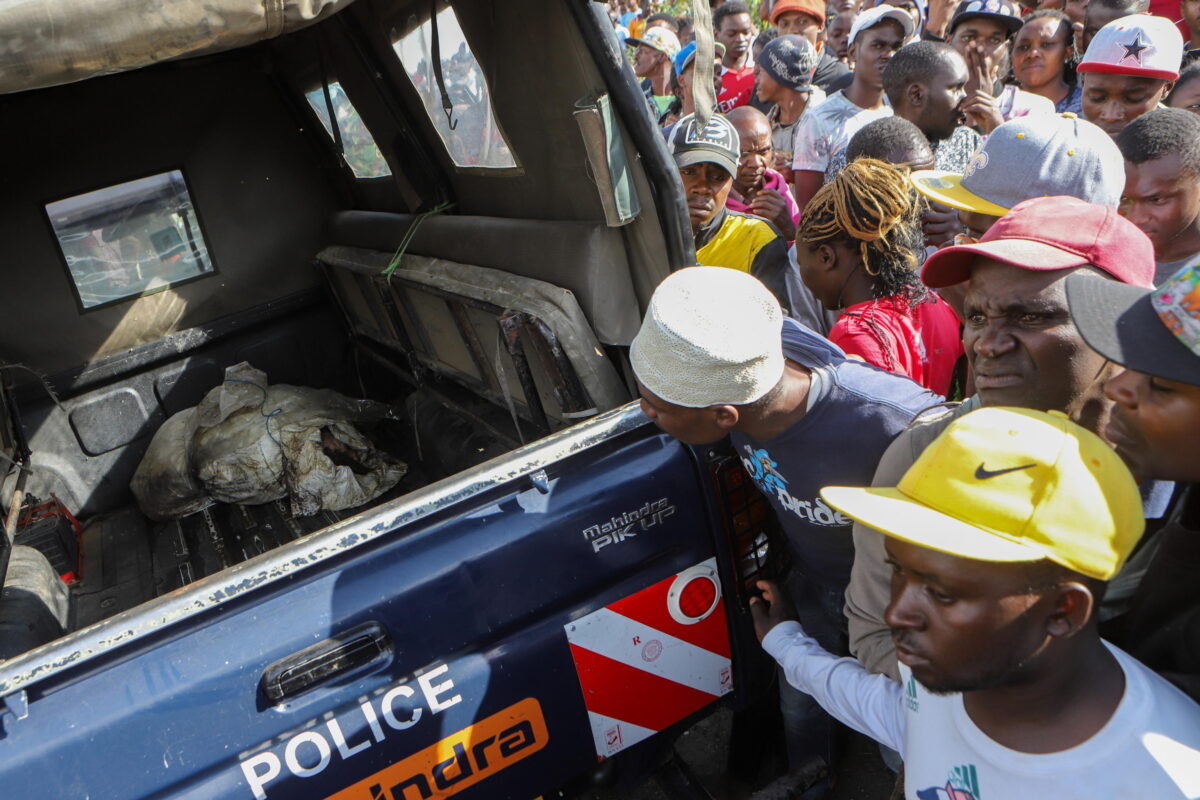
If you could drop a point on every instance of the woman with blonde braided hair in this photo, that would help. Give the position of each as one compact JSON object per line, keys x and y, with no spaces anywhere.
{"x":858,"y":247}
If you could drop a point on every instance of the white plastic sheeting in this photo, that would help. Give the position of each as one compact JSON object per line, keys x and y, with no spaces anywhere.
{"x":51,"y":42}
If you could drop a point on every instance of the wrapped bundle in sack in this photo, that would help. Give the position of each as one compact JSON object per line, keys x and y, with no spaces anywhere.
{"x":248,"y":442}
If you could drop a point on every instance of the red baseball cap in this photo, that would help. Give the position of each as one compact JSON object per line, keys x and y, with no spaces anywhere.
{"x":1049,"y":233}
{"x":813,"y":8}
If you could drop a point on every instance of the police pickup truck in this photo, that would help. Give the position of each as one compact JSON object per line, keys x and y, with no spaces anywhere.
{"x":458,"y":209}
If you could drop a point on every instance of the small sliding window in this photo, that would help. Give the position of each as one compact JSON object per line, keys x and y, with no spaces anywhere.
{"x":358,"y":146}
{"x":131,"y":239}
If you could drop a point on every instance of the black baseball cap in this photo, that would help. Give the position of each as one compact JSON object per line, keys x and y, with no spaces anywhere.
{"x":717,"y":143}
{"x":1003,"y":11}
{"x":1156,"y":332}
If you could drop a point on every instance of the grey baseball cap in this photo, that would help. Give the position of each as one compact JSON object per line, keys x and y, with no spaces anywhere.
{"x":1028,"y":157}
{"x":717,"y":142}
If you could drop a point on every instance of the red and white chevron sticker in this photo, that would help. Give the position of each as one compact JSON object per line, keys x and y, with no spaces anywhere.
{"x":653,"y":658}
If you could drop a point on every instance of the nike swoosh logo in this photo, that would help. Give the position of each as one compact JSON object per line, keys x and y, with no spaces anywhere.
{"x":982,"y":473}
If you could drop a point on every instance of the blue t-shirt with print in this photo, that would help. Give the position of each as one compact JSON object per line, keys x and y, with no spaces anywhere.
{"x":838,"y":442}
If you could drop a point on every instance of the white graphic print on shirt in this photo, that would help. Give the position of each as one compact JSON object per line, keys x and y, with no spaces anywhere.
{"x":764,"y":472}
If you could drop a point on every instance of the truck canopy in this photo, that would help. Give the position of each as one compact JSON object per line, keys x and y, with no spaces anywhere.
{"x":52,"y":42}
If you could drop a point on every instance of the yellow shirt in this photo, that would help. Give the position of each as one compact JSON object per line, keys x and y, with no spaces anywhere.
{"x":737,"y":242}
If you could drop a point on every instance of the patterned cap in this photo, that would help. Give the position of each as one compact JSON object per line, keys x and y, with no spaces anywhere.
{"x":790,"y":60}
{"x":658,"y":38}
{"x":717,"y":143}
{"x":1033,"y":156}
{"x":1156,"y":332}
{"x":1003,"y":11}
{"x":1140,"y":45}
{"x":1177,"y":303}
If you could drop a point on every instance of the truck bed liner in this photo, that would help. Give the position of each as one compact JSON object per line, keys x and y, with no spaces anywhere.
{"x":129,"y":559}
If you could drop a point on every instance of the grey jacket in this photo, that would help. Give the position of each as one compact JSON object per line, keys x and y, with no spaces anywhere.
{"x":869,"y":591}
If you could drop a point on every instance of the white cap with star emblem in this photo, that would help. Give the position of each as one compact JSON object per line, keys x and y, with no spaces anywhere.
{"x":1140,"y":45}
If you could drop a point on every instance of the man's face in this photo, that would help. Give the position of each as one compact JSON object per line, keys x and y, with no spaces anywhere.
{"x":705,"y":187}
{"x":989,"y":34}
{"x":685,"y":77}
{"x":797,"y":23}
{"x":757,"y":153}
{"x":1187,"y":96}
{"x":645,"y":60}
{"x":1039,"y":52}
{"x":1114,"y":101}
{"x":1076,"y":9}
{"x":1190,"y":9}
{"x":873,"y":49}
{"x":1021,"y":343}
{"x":839,"y":33}
{"x":823,"y":283}
{"x":1163,"y":200}
{"x":1095,"y":17}
{"x":736,"y":33}
{"x":962,"y":625}
{"x":767,"y":88}
{"x":945,"y":92}
{"x":1155,"y":426}
{"x":660,"y":23}
{"x":689,"y":425}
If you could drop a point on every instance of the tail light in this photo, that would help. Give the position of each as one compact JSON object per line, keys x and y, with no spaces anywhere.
{"x":750,"y":523}
{"x":693,"y":595}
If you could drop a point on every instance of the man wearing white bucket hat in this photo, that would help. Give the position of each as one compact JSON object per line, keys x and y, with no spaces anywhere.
{"x":715,"y":357}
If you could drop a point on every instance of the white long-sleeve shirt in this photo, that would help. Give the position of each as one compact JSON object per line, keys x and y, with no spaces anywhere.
{"x":1149,"y":748}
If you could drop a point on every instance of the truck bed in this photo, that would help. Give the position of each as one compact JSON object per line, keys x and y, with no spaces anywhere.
{"x":128,"y":559}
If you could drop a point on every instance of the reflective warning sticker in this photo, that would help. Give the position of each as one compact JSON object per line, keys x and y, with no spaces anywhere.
{"x":641,"y":670}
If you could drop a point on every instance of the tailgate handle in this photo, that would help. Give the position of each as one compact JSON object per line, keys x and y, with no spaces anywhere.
{"x":346,"y":652}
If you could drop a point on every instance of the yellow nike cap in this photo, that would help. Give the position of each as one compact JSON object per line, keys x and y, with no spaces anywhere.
{"x":1010,"y":484}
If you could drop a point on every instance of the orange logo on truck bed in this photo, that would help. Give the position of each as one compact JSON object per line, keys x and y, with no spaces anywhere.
{"x":460,"y":760}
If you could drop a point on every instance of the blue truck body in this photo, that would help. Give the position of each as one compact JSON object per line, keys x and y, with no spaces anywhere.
{"x":547,"y":600}
{"x":471,"y":581}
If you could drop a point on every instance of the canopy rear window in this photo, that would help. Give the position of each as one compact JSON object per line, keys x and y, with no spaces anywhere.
{"x":358,"y":146}
{"x":132,"y":239}
{"x":469,"y":130}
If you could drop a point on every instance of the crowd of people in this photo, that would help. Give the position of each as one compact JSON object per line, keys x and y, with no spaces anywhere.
{"x":946,"y":308}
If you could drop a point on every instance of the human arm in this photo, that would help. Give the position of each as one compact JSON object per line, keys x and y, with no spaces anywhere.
{"x":939,"y":224}
{"x":807,"y":183}
{"x":770,"y":265}
{"x":871,"y":704}
{"x":811,"y":151}
{"x":938,"y":17}
{"x":980,"y":107}
{"x":773,"y":206}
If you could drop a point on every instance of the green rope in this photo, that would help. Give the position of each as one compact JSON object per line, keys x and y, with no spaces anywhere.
{"x":408,"y":236}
